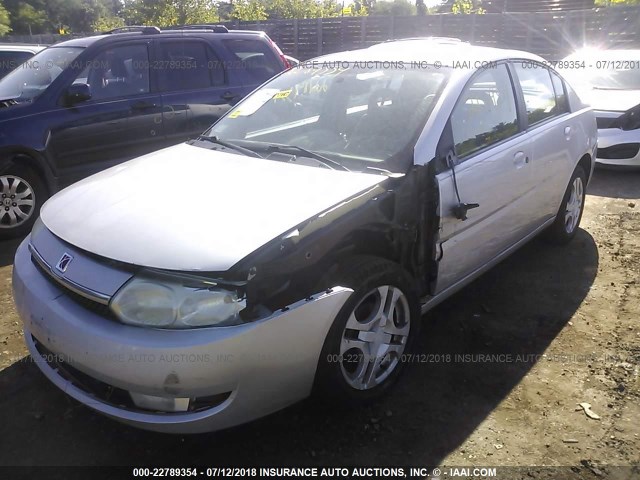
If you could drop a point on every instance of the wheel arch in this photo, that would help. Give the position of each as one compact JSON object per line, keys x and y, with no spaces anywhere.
{"x":32,"y":159}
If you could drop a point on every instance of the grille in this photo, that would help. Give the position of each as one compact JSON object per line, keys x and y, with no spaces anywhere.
{"x":618,"y":152}
{"x":91,"y":305}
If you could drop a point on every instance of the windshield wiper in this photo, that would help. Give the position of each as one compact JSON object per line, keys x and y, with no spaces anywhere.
{"x":276,"y":147}
{"x":229,"y":145}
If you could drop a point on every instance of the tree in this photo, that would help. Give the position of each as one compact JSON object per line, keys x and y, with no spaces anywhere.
{"x":395,"y":8}
{"x":104,"y":24}
{"x":302,"y":8}
{"x":4,"y":21}
{"x":467,"y":6}
{"x":39,"y":16}
{"x":29,"y":20}
{"x":248,"y":10}
{"x":421,"y":7}
{"x":164,"y":13}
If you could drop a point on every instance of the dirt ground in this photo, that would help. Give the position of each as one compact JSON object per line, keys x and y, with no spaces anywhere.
{"x":513,"y":356}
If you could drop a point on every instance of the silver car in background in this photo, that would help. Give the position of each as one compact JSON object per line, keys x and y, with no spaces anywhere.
{"x":12,"y":55}
{"x":609,"y":81}
{"x":293,"y":247}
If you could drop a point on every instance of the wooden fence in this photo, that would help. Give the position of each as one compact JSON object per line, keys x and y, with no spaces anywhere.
{"x":549,"y":34}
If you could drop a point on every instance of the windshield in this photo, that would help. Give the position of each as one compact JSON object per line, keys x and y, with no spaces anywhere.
{"x":354,"y":117}
{"x":34,"y":76}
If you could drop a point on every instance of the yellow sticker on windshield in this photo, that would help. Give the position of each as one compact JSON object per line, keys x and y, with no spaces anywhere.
{"x":235,"y":114}
{"x":282,"y":94}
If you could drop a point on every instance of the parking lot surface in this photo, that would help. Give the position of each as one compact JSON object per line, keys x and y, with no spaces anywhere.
{"x":501,"y":369}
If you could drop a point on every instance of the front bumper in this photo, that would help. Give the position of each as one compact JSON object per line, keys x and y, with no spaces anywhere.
{"x":256,"y":368}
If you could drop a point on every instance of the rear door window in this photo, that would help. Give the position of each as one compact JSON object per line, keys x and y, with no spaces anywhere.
{"x":186,"y":65}
{"x":255,"y":57}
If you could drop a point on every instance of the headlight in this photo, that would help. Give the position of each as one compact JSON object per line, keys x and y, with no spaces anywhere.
{"x":156,"y":302}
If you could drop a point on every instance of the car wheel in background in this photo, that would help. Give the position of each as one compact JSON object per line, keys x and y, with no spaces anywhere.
{"x":568,"y":219}
{"x":22,"y":194}
{"x":367,"y":346}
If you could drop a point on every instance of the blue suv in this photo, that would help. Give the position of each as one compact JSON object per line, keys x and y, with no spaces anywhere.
{"x":89,"y":103}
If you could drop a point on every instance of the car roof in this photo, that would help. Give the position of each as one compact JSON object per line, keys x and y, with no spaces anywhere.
{"x":430,"y":49}
{"x":108,"y":37}
{"x":21,"y":47}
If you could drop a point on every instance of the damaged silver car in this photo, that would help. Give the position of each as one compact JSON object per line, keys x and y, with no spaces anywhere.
{"x":293,"y":247}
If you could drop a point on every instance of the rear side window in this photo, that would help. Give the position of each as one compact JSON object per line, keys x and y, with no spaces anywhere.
{"x":185,"y":66}
{"x":10,"y":60}
{"x":485,"y":113}
{"x":254,"y":57}
{"x":562,"y":101}
{"x":539,"y":94}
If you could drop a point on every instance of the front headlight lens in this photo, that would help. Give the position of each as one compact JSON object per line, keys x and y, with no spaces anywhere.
{"x":166,"y":304}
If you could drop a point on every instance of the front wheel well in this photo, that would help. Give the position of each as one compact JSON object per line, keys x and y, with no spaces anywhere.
{"x":8,"y":158}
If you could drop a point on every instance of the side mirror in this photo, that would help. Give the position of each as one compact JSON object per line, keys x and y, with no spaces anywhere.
{"x":78,"y":93}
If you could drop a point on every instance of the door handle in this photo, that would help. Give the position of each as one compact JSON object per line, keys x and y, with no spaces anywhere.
{"x":520,"y":159}
{"x":142,"y":105}
{"x":228,"y":96}
{"x":567,"y":132}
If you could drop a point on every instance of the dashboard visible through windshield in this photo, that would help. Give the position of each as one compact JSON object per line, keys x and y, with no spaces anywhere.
{"x":359,"y":118}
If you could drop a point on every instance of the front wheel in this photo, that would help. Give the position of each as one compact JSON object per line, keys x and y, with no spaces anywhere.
{"x":567,"y":221}
{"x":22,"y":193}
{"x":367,"y":345}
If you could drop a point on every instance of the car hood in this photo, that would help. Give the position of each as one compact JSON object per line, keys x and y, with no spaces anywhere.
{"x":192,"y":209}
{"x":610,"y":100}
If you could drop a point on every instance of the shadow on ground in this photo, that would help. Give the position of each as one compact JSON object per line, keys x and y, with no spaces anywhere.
{"x":518,"y":308}
{"x":615,"y":183}
{"x":8,"y":250}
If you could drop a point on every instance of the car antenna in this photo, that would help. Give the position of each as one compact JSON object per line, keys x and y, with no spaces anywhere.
{"x":461,"y":209}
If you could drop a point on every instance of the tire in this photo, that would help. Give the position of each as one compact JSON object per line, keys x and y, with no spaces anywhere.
{"x":361,"y":364}
{"x":22,"y":193}
{"x":567,"y":221}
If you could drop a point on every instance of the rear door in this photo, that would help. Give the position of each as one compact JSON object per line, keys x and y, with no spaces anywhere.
{"x":194,"y":85}
{"x":489,"y":165}
{"x":552,"y":131}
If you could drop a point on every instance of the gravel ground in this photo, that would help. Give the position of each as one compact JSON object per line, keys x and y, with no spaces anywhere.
{"x":506,"y":363}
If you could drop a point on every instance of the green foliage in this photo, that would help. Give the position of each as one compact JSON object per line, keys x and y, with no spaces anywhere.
{"x":104,"y":24}
{"x":467,"y":6}
{"x":164,"y":13}
{"x":41,"y":16}
{"x":248,"y":10}
{"x":394,"y":8}
{"x":4,"y":21}
{"x":302,"y":8}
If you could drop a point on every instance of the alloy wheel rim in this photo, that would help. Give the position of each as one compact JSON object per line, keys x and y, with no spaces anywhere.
{"x":375,"y":337}
{"x":574,"y":206}
{"x":17,"y":201}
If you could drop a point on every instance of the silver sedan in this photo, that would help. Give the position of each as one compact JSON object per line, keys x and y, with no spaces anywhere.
{"x":292,"y":248}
